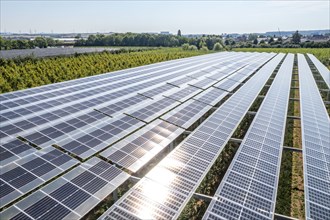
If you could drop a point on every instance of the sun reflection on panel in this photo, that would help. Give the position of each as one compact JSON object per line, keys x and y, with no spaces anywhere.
{"x":156,"y":188}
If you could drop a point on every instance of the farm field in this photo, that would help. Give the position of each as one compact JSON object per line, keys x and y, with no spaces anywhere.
{"x":23,"y":73}
{"x":50,"y":52}
{"x":170,"y":140}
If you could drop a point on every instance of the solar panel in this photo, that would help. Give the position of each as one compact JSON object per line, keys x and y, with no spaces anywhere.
{"x":139,"y":148}
{"x":31,"y":171}
{"x":323,"y":70}
{"x":152,"y":110}
{"x":122,"y":105}
{"x":315,"y":124}
{"x":71,"y":196}
{"x":187,"y":114}
{"x":164,"y":191}
{"x":86,"y":134}
{"x":250,"y":183}
{"x":160,"y":90}
{"x":211,"y":96}
{"x":14,"y":149}
{"x":93,"y":139}
{"x":184,"y":93}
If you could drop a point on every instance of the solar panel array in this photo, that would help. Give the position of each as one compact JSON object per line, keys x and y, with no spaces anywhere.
{"x":82,"y":117}
{"x":128,"y":117}
{"x":315,"y":124}
{"x":250,"y":183}
{"x":55,"y":105}
{"x":164,"y":191}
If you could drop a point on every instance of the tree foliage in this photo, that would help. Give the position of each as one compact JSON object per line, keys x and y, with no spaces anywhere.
{"x":217,"y":47}
{"x":41,"y":42}
{"x":179,"y":33}
{"x":296,"y":37}
{"x":148,"y":40}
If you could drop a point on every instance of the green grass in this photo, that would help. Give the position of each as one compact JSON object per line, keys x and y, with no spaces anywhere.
{"x":323,"y":54}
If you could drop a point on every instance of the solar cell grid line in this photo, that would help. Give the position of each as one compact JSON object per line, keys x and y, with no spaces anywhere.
{"x":315,"y":124}
{"x":23,"y":175}
{"x":184,"y":93}
{"x":86,"y":80}
{"x":153,"y":109}
{"x":71,"y":196}
{"x":186,"y":114}
{"x":118,"y":107}
{"x":89,"y":138}
{"x":323,"y":70}
{"x":14,"y":149}
{"x":211,"y":96}
{"x":166,"y":189}
{"x":139,"y":148}
{"x":14,"y":114}
{"x":250,"y":183}
{"x":99,"y":84}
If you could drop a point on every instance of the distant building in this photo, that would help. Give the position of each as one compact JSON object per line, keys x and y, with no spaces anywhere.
{"x":165,"y":32}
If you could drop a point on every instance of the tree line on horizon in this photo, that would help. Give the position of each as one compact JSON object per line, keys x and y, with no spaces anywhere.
{"x":162,"y":40}
{"x":149,"y":40}
{"x":40,"y":42}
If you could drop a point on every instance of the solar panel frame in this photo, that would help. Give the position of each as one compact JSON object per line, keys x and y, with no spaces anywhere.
{"x":14,"y":149}
{"x":186,"y":114}
{"x":315,"y":123}
{"x":323,"y":70}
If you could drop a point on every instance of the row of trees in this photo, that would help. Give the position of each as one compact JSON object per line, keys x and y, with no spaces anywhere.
{"x":41,"y":42}
{"x":271,"y":42}
{"x":148,"y":40}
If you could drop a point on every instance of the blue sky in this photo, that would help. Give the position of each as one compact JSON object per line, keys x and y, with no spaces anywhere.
{"x":153,"y":16}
